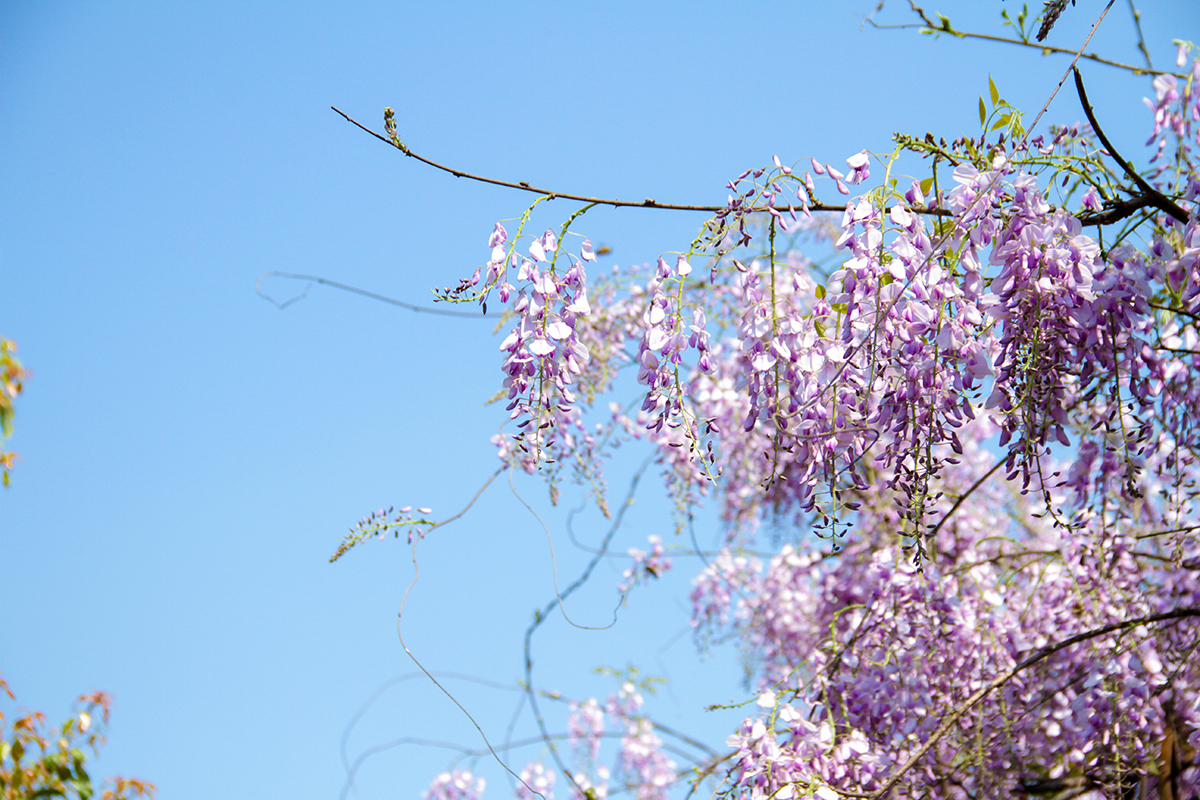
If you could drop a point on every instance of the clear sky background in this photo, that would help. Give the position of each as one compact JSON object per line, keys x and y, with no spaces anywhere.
{"x":191,"y":456}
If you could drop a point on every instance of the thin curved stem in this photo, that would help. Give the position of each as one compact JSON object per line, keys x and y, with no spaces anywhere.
{"x":540,"y":616}
{"x":616,"y":203}
{"x":326,"y":282}
{"x":932,"y":27}
{"x":420,"y":666}
{"x":1137,"y":26}
{"x":1182,"y":311}
{"x":963,"y":497}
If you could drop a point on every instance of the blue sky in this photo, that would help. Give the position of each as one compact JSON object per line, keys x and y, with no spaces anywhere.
{"x":191,"y":456}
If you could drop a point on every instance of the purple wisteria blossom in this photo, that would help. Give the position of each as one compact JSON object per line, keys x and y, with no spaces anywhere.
{"x":536,"y":780}
{"x":954,"y":461}
{"x":459,"y":784}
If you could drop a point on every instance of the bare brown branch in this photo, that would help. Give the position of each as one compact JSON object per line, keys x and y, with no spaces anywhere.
{"x":647,"y":203}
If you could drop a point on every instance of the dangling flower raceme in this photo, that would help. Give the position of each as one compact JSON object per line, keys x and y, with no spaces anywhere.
{"x":865,"y":402}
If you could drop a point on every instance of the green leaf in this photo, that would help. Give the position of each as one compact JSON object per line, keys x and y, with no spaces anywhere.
{"x":820,"y":292}
{"x":982,"y":112}
{"x":994,"y":90}
{"x":840,"y":308}
{"x":84,"y":787}
{"x":885,"y":279}
{"x":926,"y":185}
{"x":1002,"y":121}
{"x":18,"y":750}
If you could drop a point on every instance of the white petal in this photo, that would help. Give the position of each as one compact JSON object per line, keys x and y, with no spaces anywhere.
{"x":541,"y":346}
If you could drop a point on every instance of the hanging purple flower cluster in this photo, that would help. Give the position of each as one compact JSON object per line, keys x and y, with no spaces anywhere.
{"x":887,"y":651}
{"x":987,"y":413}
{"x":544,"y":355}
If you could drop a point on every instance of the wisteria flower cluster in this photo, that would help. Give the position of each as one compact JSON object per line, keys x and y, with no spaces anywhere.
{"x":459,"y":784}
{"x":536,"y":781}
{"x":645,"y":565}
{"x":984,"y":412}
{"x":378,"y":524}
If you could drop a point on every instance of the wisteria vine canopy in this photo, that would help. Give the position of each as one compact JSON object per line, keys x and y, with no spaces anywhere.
{"x":978,"y":420}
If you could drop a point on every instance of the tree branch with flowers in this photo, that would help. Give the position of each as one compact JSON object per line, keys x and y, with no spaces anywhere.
{"x":978,"y":429}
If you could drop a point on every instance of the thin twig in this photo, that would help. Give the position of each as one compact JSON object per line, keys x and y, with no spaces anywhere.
{"x":540,"y":616}
{"x":420,"y":666}
{"x":524,"y":185}
{"x":1164,"y":533}
{"x":1182,"y":311}
{"x":1137,"y":26}
{"x":931,"y":27}
{"x":696,"y":743}
{"x":1125,"y":208}
{"x":352,"y":770}
{"x":647,"y":203}
{"x":964,"y":496}
{"x":345,"y":288}
{"x":1074,"y":61}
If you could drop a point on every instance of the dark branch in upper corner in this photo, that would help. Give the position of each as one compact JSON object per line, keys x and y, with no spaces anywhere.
{"x":1149,"y":195}
{"x":647,"y":203}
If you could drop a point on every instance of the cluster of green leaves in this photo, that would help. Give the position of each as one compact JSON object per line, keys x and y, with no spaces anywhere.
{"x":1002,"y":114}
{"x":40,"y":761}
{"x":1023,"y":23}
{"x":12,"y":376}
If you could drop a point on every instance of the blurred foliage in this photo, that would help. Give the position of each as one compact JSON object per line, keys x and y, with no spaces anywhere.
{"x":37,"y":760}
{"x":12,"y":376}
